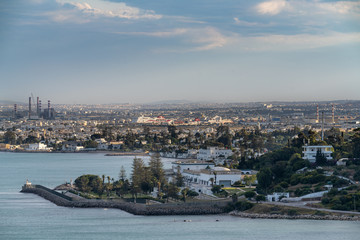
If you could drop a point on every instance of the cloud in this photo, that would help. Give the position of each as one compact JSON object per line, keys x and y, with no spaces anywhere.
{"x":277,"y":42}
{"x":272,"y":7}
{"x":307,"y":7}
{"x":341,"y":7}
{"x":251,"y":24}
{"x":207,"y":38}
{"x":171,"y":33}
{"x":82,"y":11}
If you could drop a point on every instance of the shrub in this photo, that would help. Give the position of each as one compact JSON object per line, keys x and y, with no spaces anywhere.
{"x":249,"y":194}
{"x":243,"y":205}
{"x":292,"y":212}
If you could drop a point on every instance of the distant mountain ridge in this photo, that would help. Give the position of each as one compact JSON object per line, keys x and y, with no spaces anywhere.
{"x":9,"y":102}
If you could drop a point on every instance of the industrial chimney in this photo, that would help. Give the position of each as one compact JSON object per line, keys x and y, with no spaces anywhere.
{"x":29,"y":107}
{"x":49,"y":115}
{"x":333,"y":114}
{"x":15,"y":110}
{"x":37,"y":106}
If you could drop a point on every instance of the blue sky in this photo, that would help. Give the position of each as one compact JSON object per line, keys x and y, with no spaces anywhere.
{"x":97,"y":51}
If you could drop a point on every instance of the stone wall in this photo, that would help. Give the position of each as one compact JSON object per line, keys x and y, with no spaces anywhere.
{"x":212,"y":207}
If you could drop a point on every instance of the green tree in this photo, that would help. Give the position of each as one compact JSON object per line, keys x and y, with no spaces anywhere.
{"x":156,"y":168}
{"x":10,"y":137}
{"x":172,"y":191}
{"x":122,"y":174}
{"x":265,"y":179}
{"x":250,"y":194}
{"x":138,"y":174}
{"x":260,"y":198}
{"x":179,"y":179}
{"x":90,"y":144}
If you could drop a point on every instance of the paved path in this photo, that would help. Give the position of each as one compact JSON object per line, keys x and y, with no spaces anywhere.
{"x":301,"y":204}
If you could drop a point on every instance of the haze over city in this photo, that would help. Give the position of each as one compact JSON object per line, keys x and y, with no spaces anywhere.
{"x":97,"y":51}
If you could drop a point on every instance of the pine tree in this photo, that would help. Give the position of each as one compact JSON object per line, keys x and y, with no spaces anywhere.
{"x":137,"y":176}
{"x":122,"y":174}
{"x":156,"y":168}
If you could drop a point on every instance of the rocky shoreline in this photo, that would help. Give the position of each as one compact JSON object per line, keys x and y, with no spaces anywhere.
{"x":201,"y":208}
{"x":301,"y":216}
{"x":196,"y":208}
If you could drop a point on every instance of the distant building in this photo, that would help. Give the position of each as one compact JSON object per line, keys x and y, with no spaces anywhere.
{"x":212,"y":153}
{"x":277,"y":196}
{"x":342,"y":162}
{"x":309,"y":152}
{"x":215,"y":176}
{"x":193,"y":165}
{"x":38,"y":147}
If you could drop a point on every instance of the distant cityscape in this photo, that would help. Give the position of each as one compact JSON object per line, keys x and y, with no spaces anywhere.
{"x":78,"y":126}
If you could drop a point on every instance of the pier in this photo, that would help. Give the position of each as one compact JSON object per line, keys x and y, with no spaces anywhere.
{"x":197,"y":208}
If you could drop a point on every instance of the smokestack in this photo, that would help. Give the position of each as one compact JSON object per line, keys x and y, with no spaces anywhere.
{"x":317,"y":113}
{"x":15,"y":110}
{"x":49,"y":108}
{"x":29,"y":107}
{"x":37,"y":106}
{"x":322,"y":126}
{"x":333,"y":114}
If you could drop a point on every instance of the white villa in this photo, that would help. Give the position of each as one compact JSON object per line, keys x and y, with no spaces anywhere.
{"x":211,"y":153}
{"x":309,"y":152}
{"x":277,"y":196}
{"x":216,"y":176}
{"x":192,"y":164}
{"x":38,"y":147}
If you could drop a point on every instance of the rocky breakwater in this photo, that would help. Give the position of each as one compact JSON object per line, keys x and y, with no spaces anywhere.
{"x":211,"y":207}
{"x":301,"y":216}
{"x":200,"y":208}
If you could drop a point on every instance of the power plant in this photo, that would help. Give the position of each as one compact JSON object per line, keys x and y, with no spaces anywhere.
{"x":48,"y":113}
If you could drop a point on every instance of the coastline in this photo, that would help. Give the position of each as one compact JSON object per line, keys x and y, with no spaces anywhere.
{"x":295,"y":217}
{"x":199,"y":208}
{"x":107,"y":153}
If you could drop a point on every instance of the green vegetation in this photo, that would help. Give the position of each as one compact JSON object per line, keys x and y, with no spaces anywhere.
{"x":239,"y":206}
{"x":348,"y":200}
{"x":143,"y":180}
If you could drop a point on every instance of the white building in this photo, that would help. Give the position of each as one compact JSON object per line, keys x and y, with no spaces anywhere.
{"x":193,"y":165}
{"x":72,"y":147}
{"x":277,"y":196}
{"x":216,"y":176}
{"x":342,"y":162}
{"x":212,"y":153}
{"x":309,"y":152}
{"x":38,"y":147}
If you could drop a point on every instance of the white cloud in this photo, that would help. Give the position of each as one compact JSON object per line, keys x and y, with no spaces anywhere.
{"x":251,"y":24}
{"x":342,"y":7}
{"x":203,"y":38}
{"x":272,"y":7}
{"x":171,"y":33}
{"x":93,"y":9}
{"x":244,"y":23}
{"x":209,"y":38}
{"x":307,"y":7}
{"x":278,"y":42}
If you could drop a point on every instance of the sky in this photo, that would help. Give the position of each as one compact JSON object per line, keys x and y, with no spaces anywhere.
{"x":136,"y":51}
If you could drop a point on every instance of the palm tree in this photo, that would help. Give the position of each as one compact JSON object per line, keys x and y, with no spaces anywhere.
{"x":212,"y":181}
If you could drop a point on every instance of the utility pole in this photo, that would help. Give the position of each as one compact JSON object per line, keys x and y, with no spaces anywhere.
{"x":354,"y":203}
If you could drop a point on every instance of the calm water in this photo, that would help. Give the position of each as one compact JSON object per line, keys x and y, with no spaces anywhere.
{"x":27,"y":216}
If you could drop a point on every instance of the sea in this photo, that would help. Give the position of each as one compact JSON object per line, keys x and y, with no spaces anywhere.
{"x":28,"y":216}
